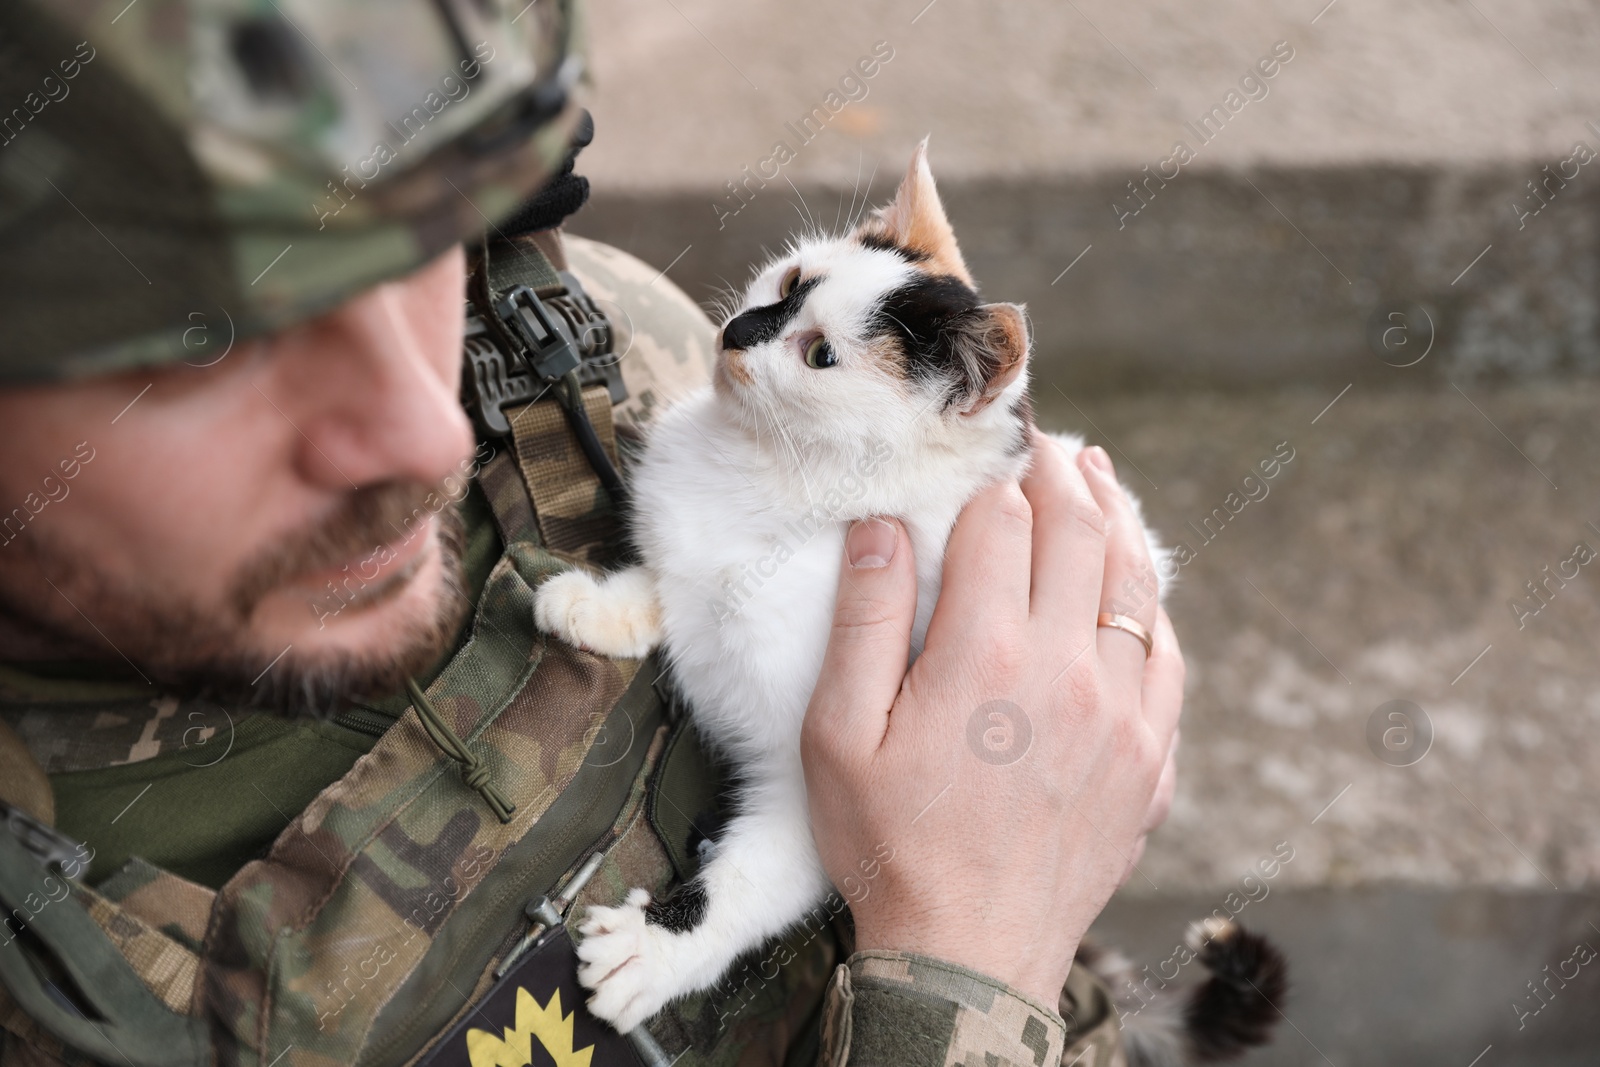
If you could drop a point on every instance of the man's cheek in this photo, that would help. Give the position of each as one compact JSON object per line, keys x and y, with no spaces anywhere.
{"x":198,"y":484}
{"x":435,"y":300}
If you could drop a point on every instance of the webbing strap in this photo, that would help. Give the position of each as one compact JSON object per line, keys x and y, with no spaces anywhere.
{"x":501,"y":481}
{"x":525,"y":264}
{"x":574,"y":512}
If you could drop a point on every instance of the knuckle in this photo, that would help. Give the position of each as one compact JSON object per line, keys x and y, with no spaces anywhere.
{"x":1126,"y":742}
{"x":1013,"y":507}
{"x":816,"y":740}
{"x":854,"y":614}
{"x":1080,"y":700}
{"x":1000,"y":655}
{"x":1152,"y":758}
{"x":1080,"y":707}
{"x":1166,"y":658}
{"x":1087,"y":515}
{"x":821,"y":742}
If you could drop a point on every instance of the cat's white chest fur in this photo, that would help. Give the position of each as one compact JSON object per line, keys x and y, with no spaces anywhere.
{"x":745,"y":584}
{"x":745,"y":568}
{"x":740,"y":573}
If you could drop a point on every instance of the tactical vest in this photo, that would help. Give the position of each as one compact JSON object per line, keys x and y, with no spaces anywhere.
{"x":415,"y":911}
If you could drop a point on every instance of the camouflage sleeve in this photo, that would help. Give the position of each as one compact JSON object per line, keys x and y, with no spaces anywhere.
{"x":901,"y":1008}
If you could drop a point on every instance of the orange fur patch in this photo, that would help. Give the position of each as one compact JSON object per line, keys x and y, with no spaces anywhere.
{"x":916,"y":220}
{"x":733,"y":360}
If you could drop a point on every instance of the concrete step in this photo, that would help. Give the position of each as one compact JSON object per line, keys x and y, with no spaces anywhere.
{"x":1227,"y":278}
{"x":1373,"y":175}
{"x":1380,"y":564}
{"x":1397,"y":977}
{"x":1440,"y":860}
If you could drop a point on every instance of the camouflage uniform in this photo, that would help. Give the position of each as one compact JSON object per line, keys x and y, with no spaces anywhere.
{"x":380,"y":910}
{"x":293,"y":894}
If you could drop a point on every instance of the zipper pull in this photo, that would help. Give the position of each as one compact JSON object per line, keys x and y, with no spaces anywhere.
{"x":546,"y":914}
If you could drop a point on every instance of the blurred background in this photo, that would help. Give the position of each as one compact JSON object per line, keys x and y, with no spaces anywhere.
{"x":1380,"y":260}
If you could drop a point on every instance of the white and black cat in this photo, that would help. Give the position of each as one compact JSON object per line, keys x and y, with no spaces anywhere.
{"x":861,"y":375}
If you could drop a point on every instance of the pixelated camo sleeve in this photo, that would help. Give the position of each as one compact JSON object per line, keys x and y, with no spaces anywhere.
{"x":908,"y":1010}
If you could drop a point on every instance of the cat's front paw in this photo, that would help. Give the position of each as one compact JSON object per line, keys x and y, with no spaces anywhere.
{"x":614,"y":618}
{"x":624,"y":960}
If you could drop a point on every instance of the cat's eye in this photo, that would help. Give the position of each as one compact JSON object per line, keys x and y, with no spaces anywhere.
{"x":790,"y":280}
{"x":819,"y":354}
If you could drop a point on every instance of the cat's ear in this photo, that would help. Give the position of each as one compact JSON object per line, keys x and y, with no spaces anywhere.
{"x":916,"y":221}
{"x":991,"y":346}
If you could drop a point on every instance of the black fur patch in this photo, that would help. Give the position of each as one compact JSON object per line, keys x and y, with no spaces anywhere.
{"x":1239,"y":1003}
{"x":762,"y":324}
{"x":884,"y":243}
{"x":925,"y":316}
{"x":681,"y":910}
{"x":1022,"y":412}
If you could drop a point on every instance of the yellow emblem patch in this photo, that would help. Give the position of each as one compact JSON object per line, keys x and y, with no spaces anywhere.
{"x":534,"y":1020}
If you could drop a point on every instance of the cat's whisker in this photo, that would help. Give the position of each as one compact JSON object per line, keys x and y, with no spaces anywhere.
{"x":808,"y":218}
{"x":796,"y":207}
{"x":861,"y":158}
{"x":790,"y":453}
{"x":789,"y":449}
{"x":866,"y":200}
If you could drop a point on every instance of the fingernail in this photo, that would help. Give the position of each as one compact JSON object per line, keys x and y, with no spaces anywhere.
{"x":1099,"y":460}
{"x":870,"y":544}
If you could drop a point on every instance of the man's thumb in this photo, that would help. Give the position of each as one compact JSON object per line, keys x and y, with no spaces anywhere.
{"x":870,"y":643}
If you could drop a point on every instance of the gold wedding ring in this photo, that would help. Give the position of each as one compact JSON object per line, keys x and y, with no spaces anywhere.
{"x":1127,"y":625}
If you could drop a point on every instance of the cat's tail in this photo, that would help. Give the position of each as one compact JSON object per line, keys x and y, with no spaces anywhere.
{"x":1234,"y":1008}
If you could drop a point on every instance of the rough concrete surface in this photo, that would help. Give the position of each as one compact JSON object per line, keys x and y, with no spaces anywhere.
{"x":1381,"y":565}
{"x":1385,"y":158}
{"x":1211,"y":285}
{"x":1381,"y":562}
{"x":1040,"y":87}
{"x":1392,"y":977}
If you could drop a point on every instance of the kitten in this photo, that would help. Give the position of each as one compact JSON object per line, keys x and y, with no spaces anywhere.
{"x":861,"y":376}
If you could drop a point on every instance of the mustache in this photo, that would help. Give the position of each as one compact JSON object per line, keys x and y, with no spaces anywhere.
{"x":364,"y":521}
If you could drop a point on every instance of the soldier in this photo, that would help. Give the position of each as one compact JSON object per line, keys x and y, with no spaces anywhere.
{"x":287,"y":775}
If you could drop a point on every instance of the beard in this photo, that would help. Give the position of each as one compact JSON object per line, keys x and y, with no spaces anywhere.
{"x":214,"y":655}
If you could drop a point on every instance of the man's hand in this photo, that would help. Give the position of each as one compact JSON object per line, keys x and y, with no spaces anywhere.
{"x":1014,"y":771}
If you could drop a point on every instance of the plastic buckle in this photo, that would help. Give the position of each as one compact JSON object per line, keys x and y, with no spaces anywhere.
{"x":556,"y":334}
{"x":53,"y":849}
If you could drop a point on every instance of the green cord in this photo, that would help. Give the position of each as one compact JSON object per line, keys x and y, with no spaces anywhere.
{"x":473,"y":771}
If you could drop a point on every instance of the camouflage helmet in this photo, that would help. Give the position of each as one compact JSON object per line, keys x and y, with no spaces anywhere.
{"x":176,"y":174}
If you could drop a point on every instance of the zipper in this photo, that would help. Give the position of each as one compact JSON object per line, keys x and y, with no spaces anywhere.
{"x":546,"y":916}
{"x":365,"y":720}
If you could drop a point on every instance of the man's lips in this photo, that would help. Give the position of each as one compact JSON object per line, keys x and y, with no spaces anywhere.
{"x":385,"y":564}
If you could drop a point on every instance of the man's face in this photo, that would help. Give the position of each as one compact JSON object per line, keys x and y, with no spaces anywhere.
{"x":277,"y":528}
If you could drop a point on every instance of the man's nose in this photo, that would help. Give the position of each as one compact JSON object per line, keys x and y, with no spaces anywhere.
{"x":373,"y":389}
